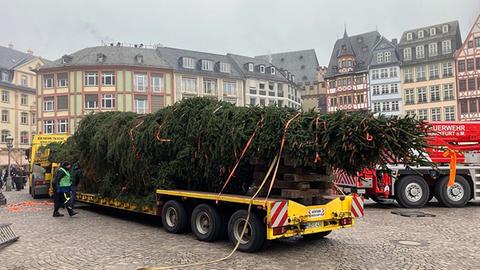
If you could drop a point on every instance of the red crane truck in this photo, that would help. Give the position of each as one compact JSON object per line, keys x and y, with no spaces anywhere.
{"x":414,"y":187}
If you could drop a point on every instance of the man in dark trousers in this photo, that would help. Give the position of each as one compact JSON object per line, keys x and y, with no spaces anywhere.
{"x":62,"y":187}
{"x":76,"y":176}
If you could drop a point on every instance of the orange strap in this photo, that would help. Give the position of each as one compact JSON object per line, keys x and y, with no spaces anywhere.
{"x":453,"y":164}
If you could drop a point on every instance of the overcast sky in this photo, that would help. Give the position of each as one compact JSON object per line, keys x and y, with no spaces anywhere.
{"x":52,"y":28}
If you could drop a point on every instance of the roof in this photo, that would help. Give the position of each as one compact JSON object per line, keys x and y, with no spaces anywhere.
{"x":385,"y":45}
{"x":114,"y":55}
{"x":18,"y":87}
{"x":10,"y":58}
{"x":242,"y":64}
{"x":303,"y":64}
{"x":173,"y":57}
{"x":361,"y":46}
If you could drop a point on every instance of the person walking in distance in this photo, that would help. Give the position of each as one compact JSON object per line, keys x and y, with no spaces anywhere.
{"x":76,"y":176}
{"x":62,"y":187}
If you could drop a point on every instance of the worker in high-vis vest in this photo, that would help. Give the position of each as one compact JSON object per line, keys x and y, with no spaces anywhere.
{"x":62,"y":187}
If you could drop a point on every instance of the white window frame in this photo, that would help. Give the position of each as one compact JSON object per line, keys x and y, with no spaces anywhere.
{"x":435,"y":94}
{"x":24,"y":80}
{"x":207,"y":65}
{"x":407,"y":54}
{"x":393,"y":72}
{"x":410,"y":96}
{"x":188,"y":62}
{"x":189,"y":85}
{"x":449,"y":113}
{"x":379,"y":58}
{"x":421,"y":34}
{"x":91,"y":75}
{"x":5,"y":116}
{"x":90,"y":106}
{"x":432,"y":49}
{"x":108,"y":98}
{"x":229,"y":88}
{"x":210,"y":86}
{"x":262,"y":69}
{"x":433,"y":31}
{"x":408,"y":75}
{"x":388,"y":57}
{"x":420,"y":52}
{"x":422,"y":96}
{"x":24,"y":118}
{"x":446,"y":46}
{"x":140,"y":109}
{"x":48,"y":124}
{"x":445,"y":28}
{"x":5,"y":133}
{"x":23,"y":100}
{"x":141,"y":82}
{"x":409,"y":36}
{"x":157,"y":83}
{"x":433,"y":71}
{"x":24,"y":137}
{"x":5,"y":96}
{"x":436,"y":114}
{"x":376,"y":90}
{"x":108,"y":75}
{"x":394,"y":88}
{"x":34,"y":118}
{"x":395,"y":106}
{"x":250,"y":67}
{"x":225,"y":67}
{"x":272,"y":70}
{"x":448,"y":92}
{"x":48,"y":81}
{"x":48,"y":104}
{"x":5,"y":76}
{"x":62,"y":82}
{"x":423,"y":114}
{"x":62,"y":126}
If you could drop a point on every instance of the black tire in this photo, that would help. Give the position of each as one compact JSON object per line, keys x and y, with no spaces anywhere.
{"x":316,"y":236}
{"x":207,"y":223}
{"x":412,"y":191}
{"x":255,"y":234}
{"x":448,"y":197}
{"x":174,"y":217}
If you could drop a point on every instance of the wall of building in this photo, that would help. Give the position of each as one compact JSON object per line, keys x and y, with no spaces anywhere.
{"x":384,"y":91}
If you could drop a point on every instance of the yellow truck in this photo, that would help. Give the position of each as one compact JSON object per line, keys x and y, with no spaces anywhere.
{"x":210,"y":216}
{"x":40,"y":169}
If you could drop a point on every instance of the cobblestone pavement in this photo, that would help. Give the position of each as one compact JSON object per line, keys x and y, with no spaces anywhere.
{"x":99,"y":239}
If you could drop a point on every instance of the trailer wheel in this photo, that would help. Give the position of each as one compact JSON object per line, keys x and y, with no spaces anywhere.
{"x":255,"y":233}
{"x":207,"y":223}
{"x":412,"y":191}
{"x":316,"y":236}
{"x":174,"y":217}
{"x":455,"y":196}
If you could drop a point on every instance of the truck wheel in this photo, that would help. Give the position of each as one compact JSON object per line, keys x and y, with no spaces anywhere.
{"x":412,"y":191}
{"x":255,"y":233}
{"x":207,"y":223}
{"x":174,"y":217}
{"x":455,"y":196}
{"x":316,"y":236}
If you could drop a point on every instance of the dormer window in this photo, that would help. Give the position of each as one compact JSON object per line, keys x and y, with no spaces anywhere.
{"x":388,"y":57}
{"x":272,"y":70}
{"x":379,"y":58}
{"x":433,"y":31}
{"x":225,"y":67}
{"x":420,"y":34}
{"x":188,"y":62}
{"x":66,"y":59}
{"x":445,"y":28}
{"x":293,"y":78}
{"x":207,"y":65}
{"x":101,"y":58}
{"x":139,"y":59}
{"x":250,"y":67}
{"x":262,"y":69}
{"x":409,"y":36}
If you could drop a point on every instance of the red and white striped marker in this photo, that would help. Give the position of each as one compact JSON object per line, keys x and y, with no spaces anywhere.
{"x":357,"y":206}
{"x":279,"y":214}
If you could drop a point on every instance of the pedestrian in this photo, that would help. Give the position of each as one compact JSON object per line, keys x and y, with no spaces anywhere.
{"x":76,"y":177}
{"x":62,"y":187}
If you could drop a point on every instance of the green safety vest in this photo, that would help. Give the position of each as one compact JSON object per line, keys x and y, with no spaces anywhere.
{"x":66,"y":181}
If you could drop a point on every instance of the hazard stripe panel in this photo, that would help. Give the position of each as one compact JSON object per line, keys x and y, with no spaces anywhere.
{"x":357,"y":206}
{"x":279,"y":214}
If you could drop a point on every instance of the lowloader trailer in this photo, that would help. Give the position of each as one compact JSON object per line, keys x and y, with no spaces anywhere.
{"x":211,"y":216}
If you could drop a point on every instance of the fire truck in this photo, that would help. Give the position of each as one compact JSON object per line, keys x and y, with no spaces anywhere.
{"x":413,"y":187}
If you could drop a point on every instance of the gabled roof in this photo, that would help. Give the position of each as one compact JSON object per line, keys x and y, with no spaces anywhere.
{"x":385,"y":45}
{"x":174,"y":58}
{"x":361,"y":46}
{"x":10,"y":58}
{"x":453,"y":30}
{"x":242,"y":62}
{"x":303,"y":64}
{"x":114,"y":55}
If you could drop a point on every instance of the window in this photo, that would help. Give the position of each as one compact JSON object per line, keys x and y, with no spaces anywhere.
{"x":420,"y":52}
{"x":34,"y":119}
{"x":433,"y":69}
{"x":189,"y":85}
{"x":23,"y":137}
{"x":48,"y":127}
{"x":434,"y":93}
{"x":226,"y":67}
{"x":395,"y":106}
{"x":91,"y":101}
{"x":445,"y":28}
{"x":384,"y":89}
{"x":386,"y":106}
{"x":253,"y":88}
{"x":423,"y":114}
{"x":5,"y":76}
{"x":140,"y":104}
{"x":229,"y":88}
{"x":376,"y":107}
{"x":108,"y":78}
{"x":5,"y":134}
{"x":262,"y":70}
{"x":470,"y":44}
{"x":157,"y":83}
{"x":23,"y":99}
{"x":62,"y":80}
{"x":388,"y":57}
{"x":62,"y":103}
{"x":333,"y":102}
{"x":422,"y":95}
{"x":435,"y":114}
{"x":471,"y":84}
{"x":24,"y":80}
{"x":139,"y":58}
{"x":420,"y":34}
{"x":470,"y":64}
{"x":24,"y":118}
{"x":394,"y":88}
{"x":262,"y":102}
{"x":379,"y":57}
{"x":48,"y":81}
{"x":376,"y":90}
{"x":250,"y":67}
{"x":207,"y":65}
{"x":433,"y":31}
{"x":432,"y":49}
{"x":48,"y":104}
{"x":91,"y":78}
{"x":461,"y":65}
{"x":140,"y":82}
{"x":449,"y":113}
{"x":477,"y":42}
{"x":210,"y":86}
{"x":188,"y":62}
{"x":393,"y":72}
{"x":462,"y":85}
{"x":4,"y":116}
{"x":409,"y":96}
{"x":280,"y":90}
{"x":410,"y":113}
{"x":407,"y":54}
{"x":272,"y":70}
{"x":448,"y":92}
{"x":408,"y":75}
{"x":108,"y":101}
{"x":384,"y":73}
{"x":463,"y":106}
{"x":62,"y":125}
{"x":409,"y":36}
{"x":472,"y":104}
{"x":375,"y":74}
{"x":358,"y":80}
{"x":5,"y":96}
{"x":420,"y":73}
{"x":477,"y":61}
{"x":447,"y":69}
{"x":446,"y":46}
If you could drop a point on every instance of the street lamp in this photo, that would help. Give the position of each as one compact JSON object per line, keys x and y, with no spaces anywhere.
{"x":9,"y":140}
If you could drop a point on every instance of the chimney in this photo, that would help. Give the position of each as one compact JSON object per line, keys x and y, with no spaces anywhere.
{"x":29,"y":51}
{"x":394,"y":41}
{"x":10,"y":45}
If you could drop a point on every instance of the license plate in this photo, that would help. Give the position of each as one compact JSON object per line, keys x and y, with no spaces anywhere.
{"x":315,"y":224}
